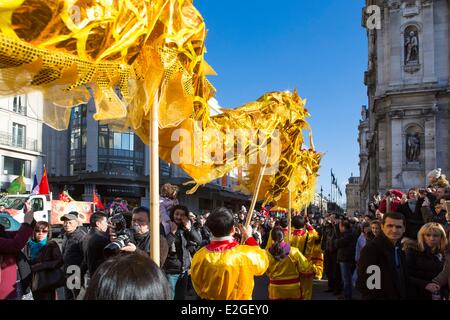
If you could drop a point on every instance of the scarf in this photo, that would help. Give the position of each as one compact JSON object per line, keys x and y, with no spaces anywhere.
{"x":35,"y":247}
{"x":412,"y":204}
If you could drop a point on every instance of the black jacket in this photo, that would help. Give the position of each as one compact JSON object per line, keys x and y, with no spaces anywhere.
{"x":393,"y":282}
{"x":179,"y":256}
{"x":346,"y":246}
{"x":423,"y":267}
{"x":72,"y":248}
{"x":142,"y":243}
{"x":204,"y":233}
{"x":330,"y":235}
{"x":430,"y":215}
{"x":414,"y":220}
{"x":93,"y":245}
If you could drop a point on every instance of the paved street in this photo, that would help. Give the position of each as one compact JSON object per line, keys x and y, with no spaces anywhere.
{"x":261,"y":284}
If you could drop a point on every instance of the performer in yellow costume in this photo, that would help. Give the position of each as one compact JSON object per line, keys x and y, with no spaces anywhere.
{"x":306,"y":239}
{"x":225,"y":270}
{"x":286,"y":264}
{"x":284,"y":226}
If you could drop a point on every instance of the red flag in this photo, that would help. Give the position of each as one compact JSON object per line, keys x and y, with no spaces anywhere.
{"x":65,"y":196}
{"x":43,"y":186}
{"x":97,"y":203}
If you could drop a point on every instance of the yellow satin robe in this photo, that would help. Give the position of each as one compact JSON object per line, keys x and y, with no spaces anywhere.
{"x":228,"y":275}
{"x":287,"y":273}
{"x":314,"y":254}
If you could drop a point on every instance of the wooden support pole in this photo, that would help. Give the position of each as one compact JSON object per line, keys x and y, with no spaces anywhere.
{"x":255,"y":196}
{"x":154,"y":181}
{"x":289,"y":217}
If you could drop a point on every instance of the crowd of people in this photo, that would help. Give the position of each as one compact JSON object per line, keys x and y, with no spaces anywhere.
{"x":397,"y":250}
{"x":405,"y":235}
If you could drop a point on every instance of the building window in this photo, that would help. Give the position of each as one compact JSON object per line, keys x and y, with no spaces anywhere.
{"x":119,"y":150}
{"x":78,"y":139}
{"x":18,"y":135}
{"x":123,"y":141}
{"x":164,"y":168}
{"x":14,"y":166}
{"x":103,"y":137}
{"x":19,"y":105}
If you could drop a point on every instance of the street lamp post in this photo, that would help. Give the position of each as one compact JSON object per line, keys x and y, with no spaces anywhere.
{"x":321,"y":201}
{"x":329,"y":201}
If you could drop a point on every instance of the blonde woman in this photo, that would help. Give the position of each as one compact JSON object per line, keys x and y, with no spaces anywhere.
{"x":444,"y":277}
{"x":425,"y":260}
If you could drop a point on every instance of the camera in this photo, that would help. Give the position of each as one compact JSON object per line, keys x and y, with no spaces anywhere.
{"x":118,"y":222}
{"x":114,"y":247}
{"x":124,"y":237}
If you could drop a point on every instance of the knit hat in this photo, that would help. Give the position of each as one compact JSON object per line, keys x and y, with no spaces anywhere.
{"x":436,"y":173}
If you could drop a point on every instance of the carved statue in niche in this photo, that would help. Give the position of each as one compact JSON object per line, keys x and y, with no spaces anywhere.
{"x":411,"y":46}
{"x":364,"y":113}
{"x":412,"y":147}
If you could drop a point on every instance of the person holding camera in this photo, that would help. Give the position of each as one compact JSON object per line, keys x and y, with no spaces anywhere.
{"x":181,"y":238}
{"x":11,"y":244}
{"x":434,"y":209}
{"x":203,"y":230}
{"x":140,"y":240}
{"x":410,"y":207}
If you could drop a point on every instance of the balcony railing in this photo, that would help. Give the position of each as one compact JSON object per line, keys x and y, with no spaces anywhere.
{"x":8,"y":139}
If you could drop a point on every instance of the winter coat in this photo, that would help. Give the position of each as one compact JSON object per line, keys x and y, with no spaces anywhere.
{"x":423,"y":267}
{"x":443,"y":278}
{"x":93,"y":245}
{"x":179,"y":256}
{"x":429,"y":215}
{"x":72,"y":248}
{"x":48,"y":258}
{"x":414,"y":219}
{"x":380,"y":252}
{"x":330,"y":233}
{"x":165,"y":205}
{"x":142,"y":243}
{"x":9,"y":249}
{"x":346,"y":246}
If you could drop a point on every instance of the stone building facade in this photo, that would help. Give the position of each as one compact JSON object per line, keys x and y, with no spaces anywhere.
{"x":404,"y":130}
{"x":353,"y":197}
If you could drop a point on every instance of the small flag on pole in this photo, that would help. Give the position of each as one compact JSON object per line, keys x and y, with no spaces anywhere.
{"x":35,"y":189}
{"x":18,"y":184}
{"x":65,"y":196}
{"x":97,"y":202}
{"x":43,"y":186}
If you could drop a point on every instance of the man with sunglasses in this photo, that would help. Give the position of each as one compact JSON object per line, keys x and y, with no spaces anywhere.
{"x":382,"y":272}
